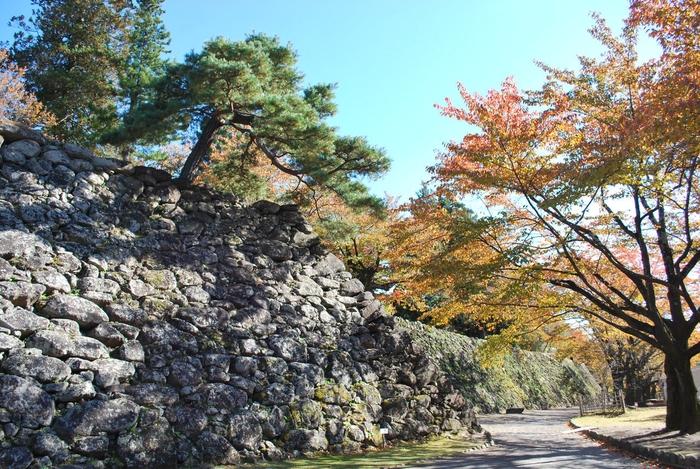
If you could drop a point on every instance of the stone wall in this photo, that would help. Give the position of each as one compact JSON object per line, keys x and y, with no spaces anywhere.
{"x":519,"y":378}
{"x":144,"y":324}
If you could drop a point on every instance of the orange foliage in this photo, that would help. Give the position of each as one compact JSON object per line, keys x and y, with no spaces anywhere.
{"x":16,"y":103}
{"x":252,"y":176}
{"x":590,"y":201}
{"x":361,"y":239}
{"x":447,"y":263}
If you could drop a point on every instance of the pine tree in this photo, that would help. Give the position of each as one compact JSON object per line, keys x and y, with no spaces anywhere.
{"x":252,"y":90}
{"x":85,"y":59}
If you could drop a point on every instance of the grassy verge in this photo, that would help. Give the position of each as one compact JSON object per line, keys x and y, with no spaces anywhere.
{"x":644,"y":416}
{"x":391,"y":457}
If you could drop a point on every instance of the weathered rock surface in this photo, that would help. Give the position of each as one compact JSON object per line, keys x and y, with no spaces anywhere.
{"x":26,"y":399}
{"x":31,"y":365}
{"x":95,"y":417}
{"x":18,"y":457}
{"x":159,"y":326}
{"x":84,"y":312}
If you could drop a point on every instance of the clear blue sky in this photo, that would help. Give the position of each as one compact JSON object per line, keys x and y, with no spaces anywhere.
{"x":394,"y":59}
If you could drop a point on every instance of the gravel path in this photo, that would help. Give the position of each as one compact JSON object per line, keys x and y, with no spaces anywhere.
{"x":537,"y":439}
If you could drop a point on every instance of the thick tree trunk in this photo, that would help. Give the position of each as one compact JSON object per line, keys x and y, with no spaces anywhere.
{"x":682,"y":408}
{"x":200,"y":150}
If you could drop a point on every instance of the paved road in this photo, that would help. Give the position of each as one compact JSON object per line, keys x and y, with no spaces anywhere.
{"x":537,"y":439}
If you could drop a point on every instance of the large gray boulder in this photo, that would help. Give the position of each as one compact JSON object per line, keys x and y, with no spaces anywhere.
{"x":76,"y":392}
{"x":15,"y":243}
{"x":313,"y":373}
{"x":149,"y":447}
{"x":23,"y":398}
{"x":53,"y":281}
{"x":89,"y":348}
{"x":251,"y":316}
{"x":75,"y":151}
{"x":276,"y":394}
{"x":306,"y":441}
{"x":126,"y":314}
{"x":52,"y":343}
{"x":188,"y":420}
{"x":28,"y":364}
{"x":95,"y":417}
{"x":132,"y":351}
{"x":222,"y":396}
{"x":100,"y":285}
{"x":8,"y":342}
{"x":216,"y":449}
{"x":184,"y":374}
{"x":307,"y":413}
{"x":305,"y":286}
{"x":329,"y":265}
{"x":426,"y":372}
{"x":352,"y":287}
{"x":275,"y":423}
{"x":48,"y":444}
{"x":288,"y":348}
{"x":161,"y":279}
{"x":23,"y":321}
{"x":28,"y":148}
{"x":245,"y":431}
{"x":22,"y":294}
{"x":107,"y":334}
{"x":276,"y":250}
{"x":150,"y":394}
{"x":205,"y":318}
{"x":110,"y":371}
{"x":19,"y":457}
{"x":84,"y":312}
{"x":92,"y":446}
{"x":162,"y":333}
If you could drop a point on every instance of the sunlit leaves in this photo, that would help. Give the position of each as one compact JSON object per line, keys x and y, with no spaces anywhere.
{"x":590,"y":194}
{"x":16,"y":103}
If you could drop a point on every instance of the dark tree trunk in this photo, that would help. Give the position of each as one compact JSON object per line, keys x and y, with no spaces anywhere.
{"x":200,"y":150}
{"x":682,"y":408}
{"x":363,"y":274}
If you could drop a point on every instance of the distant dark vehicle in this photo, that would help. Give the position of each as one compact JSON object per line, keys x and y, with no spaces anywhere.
{"x":515,"y":410}
{"x":652,"y":403}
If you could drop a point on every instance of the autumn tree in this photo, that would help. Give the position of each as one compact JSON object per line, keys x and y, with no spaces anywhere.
{"x":252,"y":90}
{"x":634,"y":364}
{"x":570,"y":340}
{"x":592,"y":184}
{"x":86,"y":60}
{"x":360,"y":238}
{"x":16,"y":103}
{"x":444,"y":266}
{"x":252,"y":179}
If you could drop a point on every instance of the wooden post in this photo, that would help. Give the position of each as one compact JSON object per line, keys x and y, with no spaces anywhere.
{"x":622,"y":401}
{"x":605,"y":399}
{"x":580,"y":404}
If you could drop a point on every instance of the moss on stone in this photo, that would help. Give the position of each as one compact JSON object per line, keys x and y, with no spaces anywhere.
{"x":333,"y":393}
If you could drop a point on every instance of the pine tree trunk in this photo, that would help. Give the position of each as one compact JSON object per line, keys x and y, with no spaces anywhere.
{"x":200,"y":150}
{"x":682,"y":408}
